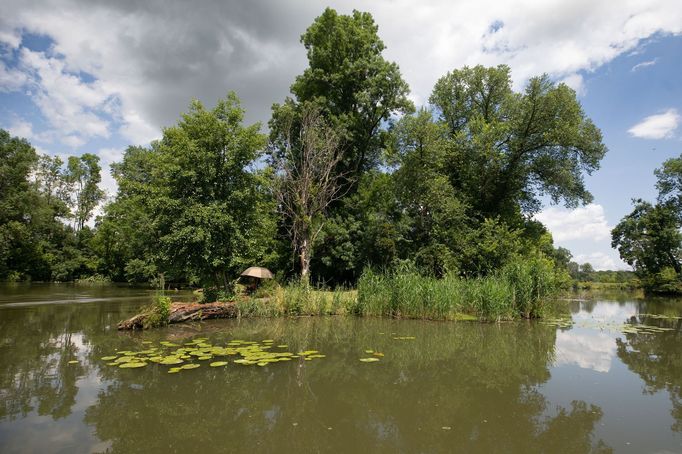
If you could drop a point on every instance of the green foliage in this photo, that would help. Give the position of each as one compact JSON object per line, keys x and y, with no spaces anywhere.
{"x":522,"y":288}
{"x":509,"y":148}
{"x":351,"y":81}
{"x":447,"y":191}
{"x":649,"y":238}
{"x":158,"y":312}
{"x":83,"y":173}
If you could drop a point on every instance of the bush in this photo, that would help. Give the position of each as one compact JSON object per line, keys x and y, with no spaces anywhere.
{"x":158,"y":312}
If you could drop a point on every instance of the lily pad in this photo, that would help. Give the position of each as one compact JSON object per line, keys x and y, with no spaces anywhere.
{"x":369,"y":360}
{"x":169,"y":360}
{"x":132,"y":365}
{"x":109,"y":358}
{"x":218,"y":363}
{"x":74,"y":361}
{"x":190,"y":366}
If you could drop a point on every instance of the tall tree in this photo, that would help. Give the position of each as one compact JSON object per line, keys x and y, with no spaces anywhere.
{"x":308,"y":180}
{"x":210,"y":206}
{"x":649,"y":237}
{"x":84,"y":174}
{"x":509,"y":148}
{"x":356,"y":88}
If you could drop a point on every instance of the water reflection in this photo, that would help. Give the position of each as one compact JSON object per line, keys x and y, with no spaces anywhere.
{"x":657,"y":359}
{"x":457,"y":387}
{"x":589,"y":349}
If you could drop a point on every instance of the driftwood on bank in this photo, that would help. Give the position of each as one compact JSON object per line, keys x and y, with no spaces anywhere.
{"x":182,"y":312}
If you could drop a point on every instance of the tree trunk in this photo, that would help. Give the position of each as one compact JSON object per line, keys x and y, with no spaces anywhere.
{"x":305,"y":258}
{"x":225,"y":282}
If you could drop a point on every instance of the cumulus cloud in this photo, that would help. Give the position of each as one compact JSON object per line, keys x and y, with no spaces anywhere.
{"x":582,"y":223}
{"x":659,"y":126}
{"x":158,"y":55}
{"x":643,"y":64}
{"x":601,"y":261}
{"x":11,"y":79}
{"x":21,"y":128}
{"x":576,"y":82}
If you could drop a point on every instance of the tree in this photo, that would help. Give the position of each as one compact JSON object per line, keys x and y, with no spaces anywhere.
{"x":355,"y":87}
{"x":126,"y":239}
{"x":649,"y":238}
{"x":308,"y":181}
{"x":53,"y":183}
{"x":669,"y":182}
{"x":209,"y":206}
{"x":83,"y":173}
{"x":509,"y":148}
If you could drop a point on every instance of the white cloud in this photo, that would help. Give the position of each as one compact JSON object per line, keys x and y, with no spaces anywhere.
{"x":601,"y":261}
{"x":582,"y":223}
{"x":644,"y":64}
{"x":155,"y":60}
{"x":576,"y":82}
{"x":659,"y":126}
{"x":69,"y":105}
{"x":73,"y":141}
{"x":21,"y":128}
{"x":110,"y":155}
{"x":107,"y":157}
{"x":11,"y":79}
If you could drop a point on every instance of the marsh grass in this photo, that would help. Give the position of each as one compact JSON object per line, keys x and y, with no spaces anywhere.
{"x":296,"y":299}
{"x":520,"y":289}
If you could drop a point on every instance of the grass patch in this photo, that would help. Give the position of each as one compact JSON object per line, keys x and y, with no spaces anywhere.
{"x":297,"y":299}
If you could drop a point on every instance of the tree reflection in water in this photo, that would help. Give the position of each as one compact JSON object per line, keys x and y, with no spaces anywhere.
{"x":465,"y":387}
{"x":657,"y":358}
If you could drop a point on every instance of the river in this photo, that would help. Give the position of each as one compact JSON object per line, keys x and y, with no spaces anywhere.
{"x":609,"y":379}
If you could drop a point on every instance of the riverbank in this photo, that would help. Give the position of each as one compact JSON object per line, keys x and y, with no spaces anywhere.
{"x":520,"y":290}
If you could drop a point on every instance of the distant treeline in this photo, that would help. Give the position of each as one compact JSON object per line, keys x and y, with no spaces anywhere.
{"x":351,"y":176}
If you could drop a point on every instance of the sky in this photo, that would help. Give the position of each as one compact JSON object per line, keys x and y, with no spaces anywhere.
{"x":81,"y":76}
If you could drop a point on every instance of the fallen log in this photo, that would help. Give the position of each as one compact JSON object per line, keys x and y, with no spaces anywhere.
{"x":182,"y":312}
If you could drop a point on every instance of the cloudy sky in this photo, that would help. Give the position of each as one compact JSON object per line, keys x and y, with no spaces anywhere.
{"x":82,"y":76}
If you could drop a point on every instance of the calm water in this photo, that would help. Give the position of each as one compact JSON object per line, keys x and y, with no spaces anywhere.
{"x":457,"y":387}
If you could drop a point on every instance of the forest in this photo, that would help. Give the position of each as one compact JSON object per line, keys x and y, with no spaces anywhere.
{"x":349,"y":178}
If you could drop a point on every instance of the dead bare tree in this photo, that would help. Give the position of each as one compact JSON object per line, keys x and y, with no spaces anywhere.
{"x":307,"y":179}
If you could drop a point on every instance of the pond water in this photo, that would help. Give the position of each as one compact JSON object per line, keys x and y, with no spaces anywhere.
{"x":600,"y":383}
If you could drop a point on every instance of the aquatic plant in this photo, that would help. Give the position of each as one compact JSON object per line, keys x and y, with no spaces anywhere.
{"x":199,"y":349}
{"x":520,"y":289}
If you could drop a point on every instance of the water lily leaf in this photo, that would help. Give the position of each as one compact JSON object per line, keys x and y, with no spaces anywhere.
{"x":190,"y":366}
{"x":132,"y":365}
{"x":74,"y":361}
{"x":369,"y":351}
{"x":171,"y":360}
{"x":218,"y":363}
{"x":378,"y":354}
{"x":369,"y":360}
{"x":108,"y":358}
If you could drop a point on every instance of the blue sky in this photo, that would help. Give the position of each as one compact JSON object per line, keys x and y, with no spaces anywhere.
{"x":77,"y":77}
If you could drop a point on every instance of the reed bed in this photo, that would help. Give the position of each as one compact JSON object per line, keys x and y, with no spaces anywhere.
{"x":521,"y":289}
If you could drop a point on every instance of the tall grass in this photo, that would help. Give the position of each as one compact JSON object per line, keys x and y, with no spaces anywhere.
{"x":299,"y":299}
{"x":520,"y":289}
